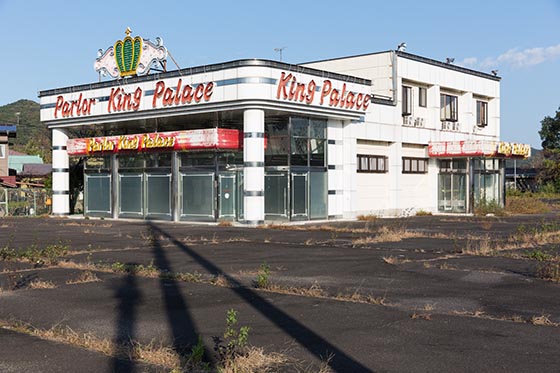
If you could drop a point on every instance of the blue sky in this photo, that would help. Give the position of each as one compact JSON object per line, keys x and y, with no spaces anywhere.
{"x":50,"y":44}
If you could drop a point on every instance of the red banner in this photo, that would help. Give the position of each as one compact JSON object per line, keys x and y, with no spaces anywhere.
{"x":211,"y":138}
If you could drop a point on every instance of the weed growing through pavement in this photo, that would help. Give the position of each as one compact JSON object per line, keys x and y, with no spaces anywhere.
{"x":234,"y":341}
{"x":263,"y":277}
{"x":84,"y":277}
{"x":41,"y":284}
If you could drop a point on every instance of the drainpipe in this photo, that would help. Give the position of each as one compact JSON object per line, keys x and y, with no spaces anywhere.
{"x":394,"y":58}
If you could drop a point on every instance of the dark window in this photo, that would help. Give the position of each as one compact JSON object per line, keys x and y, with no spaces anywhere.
{"x":449,"y":108}
{"x":406,"y":100}
{"x":422,"y":97}
{"x":415,"y":165}
{"x":372,"y":163}
{"x":481,"y":113}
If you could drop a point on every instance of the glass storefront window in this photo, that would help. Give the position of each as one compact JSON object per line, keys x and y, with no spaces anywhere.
{"x":197,"y":159}
{"x":98,"y":194}
{"x":131,"y":161}
{"x":131,"y":194}
{"x":95,"y":163}
{"x":158,"y":160}
{"x":159,"y":194}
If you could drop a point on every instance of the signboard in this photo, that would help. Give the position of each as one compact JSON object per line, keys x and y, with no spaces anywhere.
{"x":212,"y":138}
{"x":478,"y":148}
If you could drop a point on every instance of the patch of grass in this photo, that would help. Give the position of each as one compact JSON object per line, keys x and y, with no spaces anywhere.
{"x":489,"y":207}
{"x":41,"y":284}
{"x":420,"y":316}
{"x":84,"y":277}
{"x":49,"y":255}
{"x":549,"y":270}
{"x":225,"y":223}
{"x":525,"y":203}
{"x":393,"y":260}
{"x":542,"y":320}
{"x":263,"y":277}
{"x":423,"y":213}
{"x":369,"y":217}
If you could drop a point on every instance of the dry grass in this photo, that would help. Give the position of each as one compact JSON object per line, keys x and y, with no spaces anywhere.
{"x":84,"y":277}
{"x":41,"y":284}
{"x":255,"y":360}
{"x":386,"y":234}
{"x":420,"y":316}
{"x":225,"y":223}
{"x":525,"y":205}
{"x":367,"y":217}
{"x":393,"y":260}
{"x":549,"y":270}
{"x":542,"y":320}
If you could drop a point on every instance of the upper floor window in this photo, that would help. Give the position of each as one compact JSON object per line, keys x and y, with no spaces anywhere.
{"x":449,"y":108}
{"x":422,"y":97}
{"x":481,"y":113}
{"x":406,"y":100}
{"x":2,"y":151}
{"x":415,"y":165}
{"x":372,"y":163}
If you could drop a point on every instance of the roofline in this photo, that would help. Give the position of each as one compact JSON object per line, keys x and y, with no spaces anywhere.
{"x":448,"y":66}
{"x":206,"y":69}
{"x":418,"y":58}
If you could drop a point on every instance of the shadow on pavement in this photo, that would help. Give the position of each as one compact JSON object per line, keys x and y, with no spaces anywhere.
{"x":311,"y":341}
{"x":128,"y":296}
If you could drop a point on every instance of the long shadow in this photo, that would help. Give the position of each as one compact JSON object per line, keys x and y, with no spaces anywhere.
{"x":311,"y":341}
{"x":176,"y":308}
{"x":129,"y":296}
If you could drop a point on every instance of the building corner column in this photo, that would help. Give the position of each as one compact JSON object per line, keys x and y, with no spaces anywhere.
{"x":60,"y":173}
{"x":253,"y":166}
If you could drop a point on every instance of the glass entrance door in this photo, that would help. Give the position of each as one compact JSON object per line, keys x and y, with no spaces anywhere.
{"x":276,"y":195}
{"x":452,"y":193}
{"x":131,"y":195}
{"x":158,"y":196}
{"x":299,"y":195}
{"x":227,"y":196}
{"x":198,"y":196}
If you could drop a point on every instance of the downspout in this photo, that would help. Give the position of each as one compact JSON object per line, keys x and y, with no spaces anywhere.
{"x":395,"y":71}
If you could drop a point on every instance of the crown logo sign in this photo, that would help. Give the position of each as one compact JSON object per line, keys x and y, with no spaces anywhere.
{"x":127,"y":54}
{"x":130,"y":56}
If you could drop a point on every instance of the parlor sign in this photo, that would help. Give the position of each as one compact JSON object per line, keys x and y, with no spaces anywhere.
{"x":211,"y":138}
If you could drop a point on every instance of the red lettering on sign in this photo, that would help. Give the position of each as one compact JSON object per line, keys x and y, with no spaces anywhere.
{"x":79,"y":107}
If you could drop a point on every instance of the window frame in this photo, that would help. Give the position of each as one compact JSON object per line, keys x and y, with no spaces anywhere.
{"x":449,"y":109}
{"x":407,"y":101}
{"x":380,"y":161}
{"x":422,"y":97}
{"x":416,"y":165}
{"x":3,"y":151}
{"x":481,"y":113}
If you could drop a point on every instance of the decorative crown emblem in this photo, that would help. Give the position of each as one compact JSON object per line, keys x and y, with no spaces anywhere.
{"x":127,"y":54}
{"x":130,"y":56}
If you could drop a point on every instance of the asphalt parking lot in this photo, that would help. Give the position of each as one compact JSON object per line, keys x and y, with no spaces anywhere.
{"x":431,"y":293}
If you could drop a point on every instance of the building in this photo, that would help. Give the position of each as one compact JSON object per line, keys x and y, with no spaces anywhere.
{"x":7,"y":133}
{"x":253,"y":140}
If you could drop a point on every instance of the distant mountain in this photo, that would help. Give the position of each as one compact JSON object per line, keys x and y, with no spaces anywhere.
{"x":31,"y":137}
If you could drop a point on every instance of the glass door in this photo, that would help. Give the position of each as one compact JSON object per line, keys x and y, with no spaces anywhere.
{"x":227,"y":196}
{"x":198,"y":196}
{"x":131,"y":193}
{"x":452,"y":193}
{"x":299,"y":195}
{"x":276,"y":195}
{"x":158,"y":199}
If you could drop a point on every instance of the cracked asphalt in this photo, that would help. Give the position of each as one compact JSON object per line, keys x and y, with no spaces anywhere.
{"x":429,"y":300}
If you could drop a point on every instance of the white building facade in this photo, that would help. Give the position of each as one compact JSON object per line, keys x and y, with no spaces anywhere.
{"x":254,"y":140}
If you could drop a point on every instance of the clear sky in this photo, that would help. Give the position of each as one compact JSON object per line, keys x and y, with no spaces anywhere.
{"x":50,"y":44}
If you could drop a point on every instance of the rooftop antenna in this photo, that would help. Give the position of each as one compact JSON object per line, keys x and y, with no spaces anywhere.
{"x":495,"y":72}
{"x":449,"y":60}
{"x":401,"y":47}
{"x":279,"y":50}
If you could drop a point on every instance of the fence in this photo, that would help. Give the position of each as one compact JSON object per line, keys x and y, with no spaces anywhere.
{"x":24,"y":202}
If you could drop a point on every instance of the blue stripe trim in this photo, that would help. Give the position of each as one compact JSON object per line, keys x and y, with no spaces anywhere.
{"x":59,"y":147}
{"x":253,"y":164}
{"x":60,"y":170}
{"x":60,"y":192}
{"x":253,"y":80}
{"x":253,"y":193}
{"x":253,"y":135}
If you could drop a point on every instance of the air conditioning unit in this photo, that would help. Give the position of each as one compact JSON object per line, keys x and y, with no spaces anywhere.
{"x":419,"y":122}
{"x":408,"y":120}
{"x":450,"y":126}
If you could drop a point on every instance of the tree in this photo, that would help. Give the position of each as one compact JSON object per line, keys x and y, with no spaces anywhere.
{"x":550,"y":136}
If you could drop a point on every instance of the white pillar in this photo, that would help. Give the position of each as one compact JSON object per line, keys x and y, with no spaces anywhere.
{"x":60,"y":175}
{"x":253,"y":166}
